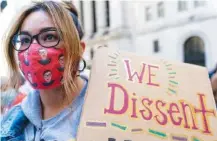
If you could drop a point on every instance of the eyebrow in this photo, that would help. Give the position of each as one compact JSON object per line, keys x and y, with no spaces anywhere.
{"x":41,"y":30}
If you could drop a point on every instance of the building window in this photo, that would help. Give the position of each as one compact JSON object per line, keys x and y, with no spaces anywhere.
{"x":82,"y":12}
{"x":91,"y":53}
{"x":194,"y":51}
{"x":148,"y":13}
{"x":182,"y":5}
{"x":160,"y":8}
{"x":199,"y":3}
{"x":107,"y":17}
{"x":107,"y":13}
{"x":93,"y":4}
{"x":156,"y":46}
{"x":3,"y":5}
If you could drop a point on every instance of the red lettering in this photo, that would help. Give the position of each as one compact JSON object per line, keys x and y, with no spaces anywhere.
{"x":134,"y":107}
{"x":164,"y":120}
{"x":204,"y":113}
{"x":111,"y":109}
{"x":130,"y":75}
{"x":150,"y":75}
{"x":149,"y":117}
{"x":171,"y":112}
{"x":187,"y":125}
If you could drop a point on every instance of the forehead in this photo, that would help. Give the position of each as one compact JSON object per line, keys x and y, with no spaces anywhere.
{"x":36,"y":21}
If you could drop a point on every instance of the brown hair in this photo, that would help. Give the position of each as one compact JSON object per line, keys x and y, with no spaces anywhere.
{"x":58,"y":12}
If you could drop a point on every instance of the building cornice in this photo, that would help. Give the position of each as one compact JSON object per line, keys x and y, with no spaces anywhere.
{"x":174,"y":24}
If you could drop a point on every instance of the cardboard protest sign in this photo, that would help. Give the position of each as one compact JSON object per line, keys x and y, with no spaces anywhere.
{"x":135,"y":98}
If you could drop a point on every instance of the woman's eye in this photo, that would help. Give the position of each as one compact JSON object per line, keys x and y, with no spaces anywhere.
{"x":50,"y":38}
{"x":25,"y":41}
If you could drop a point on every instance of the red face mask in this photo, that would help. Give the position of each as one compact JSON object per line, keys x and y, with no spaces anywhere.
{"x":42,"y":67}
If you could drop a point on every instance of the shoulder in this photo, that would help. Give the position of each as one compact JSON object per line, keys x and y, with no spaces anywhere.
{"x":10,"y":114}
{"x":13,"y":121}
{"x":7,"y":120}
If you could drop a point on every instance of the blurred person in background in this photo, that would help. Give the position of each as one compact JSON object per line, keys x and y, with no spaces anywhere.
{"x":214,"y":86}
{"x":8,"y":94}
{"x":23,"y":90}
{"x":211,"y":73}
{"x":52,"y":111}
{"x":213,"y":79}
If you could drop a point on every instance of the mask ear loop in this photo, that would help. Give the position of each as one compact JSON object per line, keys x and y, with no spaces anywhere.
{"x":84,"y":66}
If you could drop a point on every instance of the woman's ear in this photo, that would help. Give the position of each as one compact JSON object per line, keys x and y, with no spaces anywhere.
{"x":83,"y":46}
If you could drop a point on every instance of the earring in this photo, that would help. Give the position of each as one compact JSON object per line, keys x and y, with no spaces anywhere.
{"x":84,"y":65}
